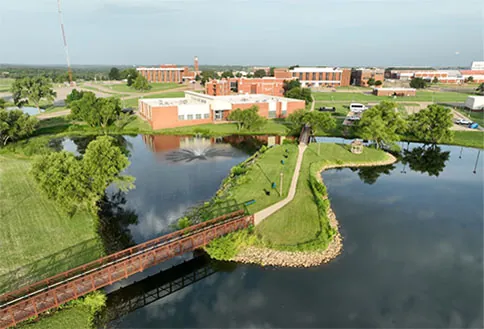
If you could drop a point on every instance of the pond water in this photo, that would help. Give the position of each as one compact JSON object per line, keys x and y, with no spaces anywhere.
{"x":413,"y":242}
{"x":27,"y":109}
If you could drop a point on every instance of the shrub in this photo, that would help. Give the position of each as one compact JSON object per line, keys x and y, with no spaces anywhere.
{"x":227,"y":247}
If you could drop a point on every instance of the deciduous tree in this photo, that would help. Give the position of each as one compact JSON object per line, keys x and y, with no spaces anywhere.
{"x":381,"y":124}
{"x":260,"y":73}
{"x":79,"y":183}
{"x":290,"y":84}
{"x":300,"y":93}
{"x":32,"y":90}
{"x":114,"y":74}
{"x":14,"y":125}
{"x":248,"y":119}
{"x":96,"y":112}
{"x":371,"y":82}
{"x":75,"y":95}
{"x":432,"y":124}
{"x":480,"y":89}
{"x":130,"y":75}
{"x":141,"y":83}
{"x":321,"y":122}
{"x":418,"y":83}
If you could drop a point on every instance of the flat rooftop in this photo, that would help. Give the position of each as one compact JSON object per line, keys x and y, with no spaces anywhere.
{"x":198,"y":98}
{"x":315,"y":69}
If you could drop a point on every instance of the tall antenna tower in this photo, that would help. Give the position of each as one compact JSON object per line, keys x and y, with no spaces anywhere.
{"x":66,"y":49}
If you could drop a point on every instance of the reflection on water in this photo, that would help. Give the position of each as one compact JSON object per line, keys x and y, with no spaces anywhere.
{"x":428,"y":159}
{"x":412,"y":257}
{"x":27,"y":109}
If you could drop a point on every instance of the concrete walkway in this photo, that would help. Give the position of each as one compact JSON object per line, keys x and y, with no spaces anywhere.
{"x":313,"y":103}
{"x":263,"y":214}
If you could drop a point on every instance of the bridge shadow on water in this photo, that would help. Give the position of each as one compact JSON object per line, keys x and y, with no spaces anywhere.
{"x":153,"y":288}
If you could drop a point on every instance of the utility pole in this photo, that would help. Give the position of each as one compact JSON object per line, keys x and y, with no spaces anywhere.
{"x":319,"y":148}
{"x":66,"y":49}
{"x":280,"y":185}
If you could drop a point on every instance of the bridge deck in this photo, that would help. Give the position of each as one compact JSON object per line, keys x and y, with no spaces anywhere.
{"x":30,"y":301}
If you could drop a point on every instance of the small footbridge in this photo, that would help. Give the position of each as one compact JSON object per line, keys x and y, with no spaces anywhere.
{"x":32,"y":300}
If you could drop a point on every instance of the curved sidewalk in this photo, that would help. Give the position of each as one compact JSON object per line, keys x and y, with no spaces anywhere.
{"x":263,"y":214}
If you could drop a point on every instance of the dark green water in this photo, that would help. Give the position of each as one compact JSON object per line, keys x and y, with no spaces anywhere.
{"x":413,"y":247}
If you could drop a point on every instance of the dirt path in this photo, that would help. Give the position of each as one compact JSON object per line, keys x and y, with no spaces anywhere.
{"x":263,"y":214}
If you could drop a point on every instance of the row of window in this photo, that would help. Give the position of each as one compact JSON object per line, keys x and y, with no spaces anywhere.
{"x":318,"y":76}
{"x":272,"y":114}
{"x":191,"y":117}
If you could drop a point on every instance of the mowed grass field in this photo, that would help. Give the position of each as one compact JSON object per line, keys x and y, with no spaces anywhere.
{"x":262,"y":173}
{"x":272,"y":127}
{"x":422,"y":96}
{"x":33,"y":227}
{"x":154,"y":87}
{"x":5,"y":84}
{"x":299,"y":222}
{"x":469,"y":138}
{"x":133,"y":102}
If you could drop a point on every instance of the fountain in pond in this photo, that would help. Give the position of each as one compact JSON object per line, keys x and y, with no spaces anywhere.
{"x":198,"y":149}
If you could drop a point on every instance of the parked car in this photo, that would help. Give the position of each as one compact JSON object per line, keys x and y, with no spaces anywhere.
{"x":463,"y":122}
{"x":327,"y":109}
{"x":357,"y":107}
{"x":473,"y":125}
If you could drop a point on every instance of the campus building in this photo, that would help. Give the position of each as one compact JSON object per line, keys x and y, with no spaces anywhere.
{"x":266,"y":86}
{"x":443,"y":76}
{"x":166,"y":143}
{"x":394,"y":92}
{"x":169,"y":73}
{"x":318,"y":76}
{"x":360,"y":77}
{"x":196,"y":108}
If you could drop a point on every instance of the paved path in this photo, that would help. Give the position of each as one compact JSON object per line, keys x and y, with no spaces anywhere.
{"x":53,"y":114}
{"x":313,"y":104}
{"x":263,"y":214}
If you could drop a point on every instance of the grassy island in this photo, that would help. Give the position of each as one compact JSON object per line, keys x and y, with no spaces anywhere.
{"x":303,"y":224}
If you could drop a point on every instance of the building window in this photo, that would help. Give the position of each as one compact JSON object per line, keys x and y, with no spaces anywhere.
{"x":272,"y":114}
{"x":320,"y":76}
{"x":181,"y":117}
{"x":284,"y":113}
{"x":189,"y":116}
{"x":206,"y":116}
{"x":327,"y":76}
{"x":198,"y":116}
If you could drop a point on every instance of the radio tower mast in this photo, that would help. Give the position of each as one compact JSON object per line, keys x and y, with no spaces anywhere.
{"x":66,"y":49}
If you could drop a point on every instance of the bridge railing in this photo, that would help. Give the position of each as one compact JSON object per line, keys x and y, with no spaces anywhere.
{"x":7,"y":297}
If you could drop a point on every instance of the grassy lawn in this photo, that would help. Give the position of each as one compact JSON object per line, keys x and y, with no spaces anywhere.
{"x":299,"y":221}
{"x":33,"y":227}
{"x":5,"y":84}
{"x":133,"y":102}
{"x":272,"y":127}
{"x":154,"y":87}
{"x":422,"y":96}
{"x":469,"y":138}
{"x":259,"y":177}
{"x":76,"y":316}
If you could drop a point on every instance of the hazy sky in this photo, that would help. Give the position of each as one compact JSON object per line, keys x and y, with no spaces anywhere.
{"x":266,"y":32}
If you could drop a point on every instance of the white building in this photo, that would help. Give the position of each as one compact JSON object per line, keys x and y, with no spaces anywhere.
{"x":477,"y":65}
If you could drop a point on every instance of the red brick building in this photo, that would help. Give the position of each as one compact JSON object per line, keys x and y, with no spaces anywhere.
{"x":360,"y":77}
{"x":266,"y":86}
{"x":317,"y":76}
{"x":477,"y":75}
{"x":169,"y":73}
{"x":196,"y":108}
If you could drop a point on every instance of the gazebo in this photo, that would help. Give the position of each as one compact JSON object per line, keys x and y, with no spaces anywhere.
{"x":357,"y":146}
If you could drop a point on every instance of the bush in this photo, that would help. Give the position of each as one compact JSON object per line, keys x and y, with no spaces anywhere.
{"x":227,"y":247}
{"x":289,"y":142}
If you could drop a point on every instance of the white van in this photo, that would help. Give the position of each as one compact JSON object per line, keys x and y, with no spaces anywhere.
{"x":357,"y":107}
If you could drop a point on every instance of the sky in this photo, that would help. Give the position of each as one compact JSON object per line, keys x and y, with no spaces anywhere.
{"x":244,"y":32}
